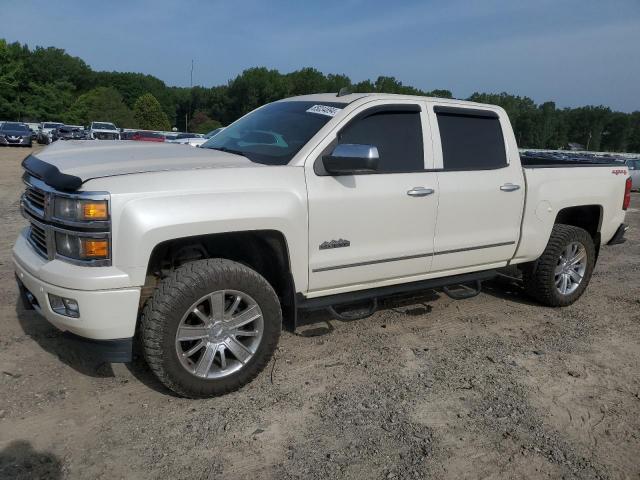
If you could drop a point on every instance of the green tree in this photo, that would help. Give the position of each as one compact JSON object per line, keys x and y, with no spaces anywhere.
{"x":133,"y":85}
{"x":201,"y":123}
{"x":51,"y":65}
{"x":633,"y":144}
{"x":586,"y":125}
{"x":305,"y":81}
{"x":253,"y":88}
{"x":149,"y":115}
{"x":100,"y":104}
{"x":48,"y":100}
{"x":616,"y":133}
{"x":49,"y":84}
{"x":440,"y":93}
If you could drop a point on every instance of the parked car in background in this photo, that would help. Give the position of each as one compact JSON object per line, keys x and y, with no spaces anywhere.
{"x":184,"y":138}
{"x":44,"y":132}
{"x":127,"y":134}
{"x":69,"y":132}
{"x":15,"y":133}
{"x":198,"y":141}
{"x":103,"y":131}
{"x":33,"y":126}
{"x":634,"y":173}
{"x":145,"y":136}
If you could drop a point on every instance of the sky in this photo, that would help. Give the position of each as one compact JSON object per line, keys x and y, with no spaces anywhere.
{"x":573,"y":52}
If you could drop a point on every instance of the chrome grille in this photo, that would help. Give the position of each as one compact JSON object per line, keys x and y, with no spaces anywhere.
{"x":35,"y":197}
{"x":38,"y":239}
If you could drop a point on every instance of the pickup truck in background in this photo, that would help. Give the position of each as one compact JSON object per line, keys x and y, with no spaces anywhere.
{"x":45,"y":132}
{"x":319,"y":201}
{"x":103,"y":131}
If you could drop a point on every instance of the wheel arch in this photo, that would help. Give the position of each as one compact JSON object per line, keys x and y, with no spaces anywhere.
{"x":587,"y":217}
{"x":265,"y":251}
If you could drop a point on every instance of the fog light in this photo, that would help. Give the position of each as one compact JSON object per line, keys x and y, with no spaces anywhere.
{"x":64,"y":306}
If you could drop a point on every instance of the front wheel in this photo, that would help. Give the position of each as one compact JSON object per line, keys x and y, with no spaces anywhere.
{"x":561,"y":274}
{"x":210,"y":327}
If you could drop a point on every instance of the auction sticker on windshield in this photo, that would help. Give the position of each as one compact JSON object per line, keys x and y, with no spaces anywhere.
{"x":324,"y":110}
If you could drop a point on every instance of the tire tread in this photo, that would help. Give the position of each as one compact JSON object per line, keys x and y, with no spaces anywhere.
{"x":170,"y":292}
{"x":538,"y":277}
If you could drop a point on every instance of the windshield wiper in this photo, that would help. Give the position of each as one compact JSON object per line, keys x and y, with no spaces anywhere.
{"x":229,"y":150}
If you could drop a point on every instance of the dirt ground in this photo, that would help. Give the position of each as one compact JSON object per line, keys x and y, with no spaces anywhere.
{"x":491,"y":387}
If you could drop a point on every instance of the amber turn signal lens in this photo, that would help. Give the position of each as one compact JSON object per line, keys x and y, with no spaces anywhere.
{"x":95,"y":210}
{"x":94,"y":248}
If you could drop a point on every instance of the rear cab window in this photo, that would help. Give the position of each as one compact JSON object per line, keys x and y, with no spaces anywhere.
{"x":471,"y":139}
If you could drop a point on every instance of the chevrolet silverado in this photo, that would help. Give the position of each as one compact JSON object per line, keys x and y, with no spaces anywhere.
{"x":318,"y":201}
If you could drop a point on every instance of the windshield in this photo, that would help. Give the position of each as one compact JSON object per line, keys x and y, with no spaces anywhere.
{"x":274,"y":133}
{"x":214,"y":132}
{"x":16,"y":127}
{"x":103,"y":126}
{"x":51,"y":125}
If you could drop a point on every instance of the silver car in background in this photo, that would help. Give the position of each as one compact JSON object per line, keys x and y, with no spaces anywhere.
{"x":634,"y":173}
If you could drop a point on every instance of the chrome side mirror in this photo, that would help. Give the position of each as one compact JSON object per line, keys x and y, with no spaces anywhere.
{"x":350,"y":159}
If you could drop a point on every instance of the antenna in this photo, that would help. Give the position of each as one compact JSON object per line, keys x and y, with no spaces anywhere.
{"x":343,"y":91}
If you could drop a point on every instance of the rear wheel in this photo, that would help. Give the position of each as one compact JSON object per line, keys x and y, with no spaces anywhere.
{"x":210,"y":327}
{"x":563,"y":271}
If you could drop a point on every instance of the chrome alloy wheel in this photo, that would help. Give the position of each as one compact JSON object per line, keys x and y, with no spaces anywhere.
{"x":219,"y":334}
{"x":572,"y":264}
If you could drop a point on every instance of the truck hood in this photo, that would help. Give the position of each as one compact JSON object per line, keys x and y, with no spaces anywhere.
{"x":67,"y":165}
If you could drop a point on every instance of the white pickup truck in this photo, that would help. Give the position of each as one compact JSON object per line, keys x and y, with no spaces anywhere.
{"x":103,"y":131}
{"x":310,"y":202}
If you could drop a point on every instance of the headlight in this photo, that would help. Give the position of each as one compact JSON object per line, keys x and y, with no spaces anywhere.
{"x":80,"y":210}
{"x":81,"y":247}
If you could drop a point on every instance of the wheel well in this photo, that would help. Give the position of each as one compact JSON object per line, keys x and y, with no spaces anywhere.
{"x":265,"y":251}
{"x":587,"y":217}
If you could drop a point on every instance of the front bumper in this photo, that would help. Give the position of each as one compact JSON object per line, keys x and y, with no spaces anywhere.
{"x":105,"y":136}
{"x":117,"y":350}
{"x":105,"y":314}
{"x":20,"y":141}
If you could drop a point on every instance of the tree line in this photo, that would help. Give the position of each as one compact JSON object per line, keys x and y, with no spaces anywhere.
{"x":47,"y":84}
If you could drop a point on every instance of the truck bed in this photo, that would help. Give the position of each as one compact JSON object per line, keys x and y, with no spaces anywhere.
{"x":529,"y":160}
{"x":554,"y":184}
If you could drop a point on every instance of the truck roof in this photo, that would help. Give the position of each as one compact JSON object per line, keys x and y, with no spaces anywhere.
{"x":352,"y":97}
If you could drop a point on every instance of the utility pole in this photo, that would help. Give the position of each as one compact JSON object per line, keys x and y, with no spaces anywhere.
{"x":186,"y":117}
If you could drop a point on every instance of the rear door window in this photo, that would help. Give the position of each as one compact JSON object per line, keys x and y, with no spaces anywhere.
{"x":471,"y":139}
{"x":396,"y":133}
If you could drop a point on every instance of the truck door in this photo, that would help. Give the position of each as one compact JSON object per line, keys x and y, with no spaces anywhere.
{"x":481,"y":190}
{"x":373,"y":227}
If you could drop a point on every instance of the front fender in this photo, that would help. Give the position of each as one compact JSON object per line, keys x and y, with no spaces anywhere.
{"x":146,"y":222}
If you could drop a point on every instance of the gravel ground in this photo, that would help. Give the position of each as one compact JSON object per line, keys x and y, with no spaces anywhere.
{"x":491,"y":387}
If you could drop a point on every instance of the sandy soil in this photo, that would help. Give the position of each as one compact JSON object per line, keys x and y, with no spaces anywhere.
{"x":491,"y":387}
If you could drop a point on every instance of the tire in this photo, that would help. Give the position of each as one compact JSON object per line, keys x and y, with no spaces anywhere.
{"x":166,"y":316}
{"x":540,"y":277}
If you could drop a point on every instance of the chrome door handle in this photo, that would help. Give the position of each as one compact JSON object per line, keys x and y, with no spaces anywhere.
{"x":509,"y":187}
{"x":420,"y":192}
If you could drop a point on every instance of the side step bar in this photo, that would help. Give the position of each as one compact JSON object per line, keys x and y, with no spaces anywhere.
{"x":330,"y":301}
{"x":464,"y":291}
